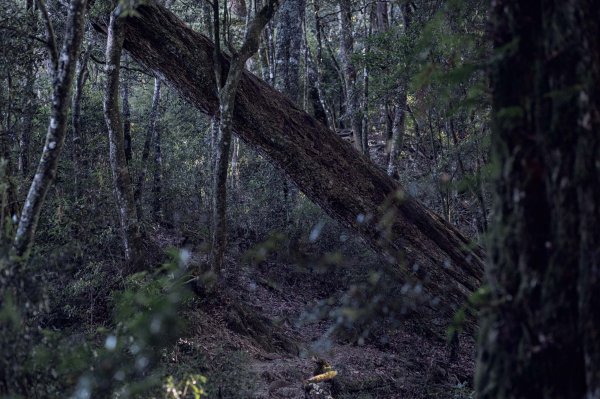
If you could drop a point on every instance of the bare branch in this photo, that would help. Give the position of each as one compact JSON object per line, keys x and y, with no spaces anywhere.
{"x":52,"y":47}
{"x":142,"y":71}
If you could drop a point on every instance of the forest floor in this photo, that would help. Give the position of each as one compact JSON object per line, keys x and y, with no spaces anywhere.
{"x":258,"y":361}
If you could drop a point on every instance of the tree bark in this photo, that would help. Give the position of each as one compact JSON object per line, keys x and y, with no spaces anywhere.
{"x":9,"y":206}
{"x":126,"y":112}
{"x":150,"y":137}
{"x":29,"y":109}
{"x":63,"y":71}
{"x":397,"y":131}
{"x":78,"y":145}
{"x":235,"y":167}
{"x":540,"y":333}
{"x":227,"y":92}
{"x":315,"y":93}
{"x":288,"y":47}
{"x":157,"y":184}
{"x":353,"y":92}
{"x":365,"y":97}
{"x":29,"y":101}
{"x":399,"y":121}
{"x":379,"y":17}
{"x":130,"y":229}
{"x":330,"y":172}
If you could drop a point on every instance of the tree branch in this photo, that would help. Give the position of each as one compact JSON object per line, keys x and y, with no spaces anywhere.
{"x":252,"y":39}
{"x":52,"y":47}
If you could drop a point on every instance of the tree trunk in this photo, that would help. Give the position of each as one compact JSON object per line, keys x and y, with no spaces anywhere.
{"x":399,"y":121}
{"x":157,"y":184}
{"x":315,"y":66}
{"x":288,"y":47}
{"x":235,"y":166}
{"x":78,"y":145}
{"x":397,"y":132}
{"x":314,"y":94}
{"x":150,"y":135}
{"x":219,"y":221}
{"x":30,"y":102}
{"x":121,"y":180}
{"x":367,"y":30}
{"x":227,"y":93}
{"x":126,"y":112}
{"x":9,"y":207}
{"x":29,"y":109}
{"x":541,"y":330}
{"x":353,"y":92}
{"x":345,"y":184}
{"x":57,"y":127}
{"x":379,"y":17}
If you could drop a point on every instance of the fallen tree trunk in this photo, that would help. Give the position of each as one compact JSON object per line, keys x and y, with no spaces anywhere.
{"x":347,"y":185}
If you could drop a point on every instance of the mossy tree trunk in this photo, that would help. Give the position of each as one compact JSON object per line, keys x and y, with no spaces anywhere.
{"x":541,"y":331}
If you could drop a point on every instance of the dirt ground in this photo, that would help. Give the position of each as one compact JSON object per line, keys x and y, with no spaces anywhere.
{"x":411,"y":364}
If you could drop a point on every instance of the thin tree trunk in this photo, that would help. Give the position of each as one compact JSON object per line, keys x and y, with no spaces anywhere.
{"x":367,"y":28}
{"x":64,"y":71}
{"x":288,"y":46}
{"x":353,"y":92}
{"x":150,"y":135}
{"x":399,"y":121}
{"x":264,"y":59}
{"x":315,"y":93}
{"x":126,"y":111}
{"x":130,"y":229}
{"x":219,"y":222}
{"x":235,"y":167}
{"x":270,"y":52}
{"x":8,"y":192}
{"x":397,"y":133}
{"x":317,"y":63}
{"x":30,"y":103}
{"x":29,"y":109}
{"x":346,"y":185}
{"x":78,"y":139}
{"x":157,"y":185}
{"x":227,"y":95}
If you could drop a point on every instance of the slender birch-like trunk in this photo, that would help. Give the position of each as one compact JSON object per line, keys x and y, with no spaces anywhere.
{"x":63,"y":73}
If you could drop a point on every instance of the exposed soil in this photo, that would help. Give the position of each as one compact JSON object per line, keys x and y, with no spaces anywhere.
{"x":258,"y":315}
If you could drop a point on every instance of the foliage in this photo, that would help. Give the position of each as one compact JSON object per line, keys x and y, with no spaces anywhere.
{"x":191,"y":387}
{"x":105,"y":333}
{"x":123,"y":357}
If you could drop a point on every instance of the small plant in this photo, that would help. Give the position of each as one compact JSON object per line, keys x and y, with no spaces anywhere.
{"x":192,"y":386}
